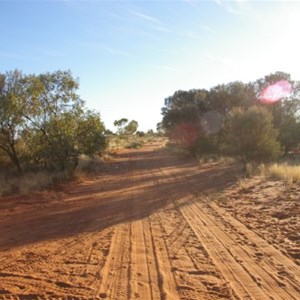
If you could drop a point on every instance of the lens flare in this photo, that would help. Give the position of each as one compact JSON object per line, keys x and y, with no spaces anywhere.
{"x":211,"y":122}
{"x":185,"y":134}
{"x":276,"y":92}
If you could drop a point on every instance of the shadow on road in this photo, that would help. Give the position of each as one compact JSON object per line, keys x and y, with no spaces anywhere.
{"x":135,"y":185}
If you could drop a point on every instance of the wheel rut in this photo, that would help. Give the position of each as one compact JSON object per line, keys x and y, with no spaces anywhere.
{"x":144,"y":230}
{"x":248,"y":270}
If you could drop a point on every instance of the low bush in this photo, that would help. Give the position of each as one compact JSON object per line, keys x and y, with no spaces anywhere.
{"x":118,"y":142}
{"x":88,"y":165}
{"x":30,"y":181}
{"x":134,"y":145}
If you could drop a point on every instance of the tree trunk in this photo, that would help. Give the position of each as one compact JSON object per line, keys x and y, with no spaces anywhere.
{"x":14,"y":158}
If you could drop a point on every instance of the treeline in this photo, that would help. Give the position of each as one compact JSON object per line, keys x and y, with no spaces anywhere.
{"x":255,"y":121}
{"x":44,"y":124}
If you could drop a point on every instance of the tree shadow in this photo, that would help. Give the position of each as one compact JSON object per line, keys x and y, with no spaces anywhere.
{"x":135,"y":185}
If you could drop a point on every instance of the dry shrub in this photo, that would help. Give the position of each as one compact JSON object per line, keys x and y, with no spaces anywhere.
{"x":287,"y":173}
{"x":134,"y":145}
{"x":42,"y":179}
{"x":119,"y":142}
{"x":215,"y":158}
{"x":30,"y":181}
{"x":108,"y":156}
{"x":14,"y":183}
{"x":88,"y":165}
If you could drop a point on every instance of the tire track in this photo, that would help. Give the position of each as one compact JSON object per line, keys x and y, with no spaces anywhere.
{"x":142,"y":260}
{"x":271,"y":259}
{"x":249,"y":279}
{"x":151,"y":278}
{"x":115,"y":271}
{"x":197,"y":277}
{"x":166,"y":280}
{"x":195,"y":274}
{"x":165,"y":243}
{"x":138,"y":271}
{"x":263,"y":278}
{"x":240,"y":280}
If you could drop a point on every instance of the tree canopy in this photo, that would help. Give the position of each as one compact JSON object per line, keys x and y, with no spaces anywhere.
{"x":250,"y":136}
{"x":205,"y":112}
{"x":45,"y":114}
{"x":123,"y":127}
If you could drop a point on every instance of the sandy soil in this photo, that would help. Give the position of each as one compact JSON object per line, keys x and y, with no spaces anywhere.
{"x":147,"y":227}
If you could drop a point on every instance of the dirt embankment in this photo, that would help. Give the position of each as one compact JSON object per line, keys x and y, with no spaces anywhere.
{"x":146,"y":228}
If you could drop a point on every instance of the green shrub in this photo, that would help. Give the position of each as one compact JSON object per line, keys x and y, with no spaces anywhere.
{"x":249,"y":136}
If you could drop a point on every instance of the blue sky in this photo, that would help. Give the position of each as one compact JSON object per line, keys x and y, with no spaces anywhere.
{"x":130,"y":55}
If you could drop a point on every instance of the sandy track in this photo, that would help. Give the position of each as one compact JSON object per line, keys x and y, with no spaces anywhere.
{"x":142,"y":229}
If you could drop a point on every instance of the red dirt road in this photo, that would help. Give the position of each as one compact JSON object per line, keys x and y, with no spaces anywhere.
{"x":145,"y":228}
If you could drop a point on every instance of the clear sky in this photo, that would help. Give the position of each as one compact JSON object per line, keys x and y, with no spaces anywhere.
{"x":130,"y":55}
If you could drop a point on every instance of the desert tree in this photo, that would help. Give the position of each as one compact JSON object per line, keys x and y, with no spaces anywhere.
{"x":45,"y":114}
{"x":120,"y":124}
{"x":11,"y":115}
{"x":131,"y":127}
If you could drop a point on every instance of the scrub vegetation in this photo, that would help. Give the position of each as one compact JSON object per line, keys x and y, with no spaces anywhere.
{"x":44,"y":129}
{"x":256,"y":122}
{"x":48,"y":135}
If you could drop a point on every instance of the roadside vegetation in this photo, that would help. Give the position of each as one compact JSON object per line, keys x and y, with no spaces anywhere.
{"x":279,"y":171}
{"x":285,"y":172}
{"x":256,"y":123}
{"x":44,"y":130}
{"x":132,"y":141}
{"x":48,"y":135}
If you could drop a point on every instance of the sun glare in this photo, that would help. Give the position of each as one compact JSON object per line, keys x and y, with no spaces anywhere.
{"x":276,"y":91}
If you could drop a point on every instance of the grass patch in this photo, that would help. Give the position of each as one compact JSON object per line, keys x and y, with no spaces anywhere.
{"x":284,"y":172}
{"x":90,"y":165}
{"x":214,"y":158}
{"x":134,"y":145}
{"x":119,"y":142}
{"x":15,"y":183}
{"x":30,"y":181}
{"x":277,"y":171}
{"x":254,"y":169}
{"x":174,"y":148}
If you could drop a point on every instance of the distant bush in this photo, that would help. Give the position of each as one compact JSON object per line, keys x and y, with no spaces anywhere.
{"x":118,"y":142}
{"x":134,"y":145}
{"x":140,"y":133}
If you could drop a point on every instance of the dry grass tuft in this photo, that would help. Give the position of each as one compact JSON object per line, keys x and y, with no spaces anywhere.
{"x":14,"y":183}
{"x":124,"y":142}
{"x":89,"y":165}
{"x":284,"y":172}
{"x":215,"y":158}
{"x":254,"y":169}
{"x":278,"y":171}
{"x":30,"y":181}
